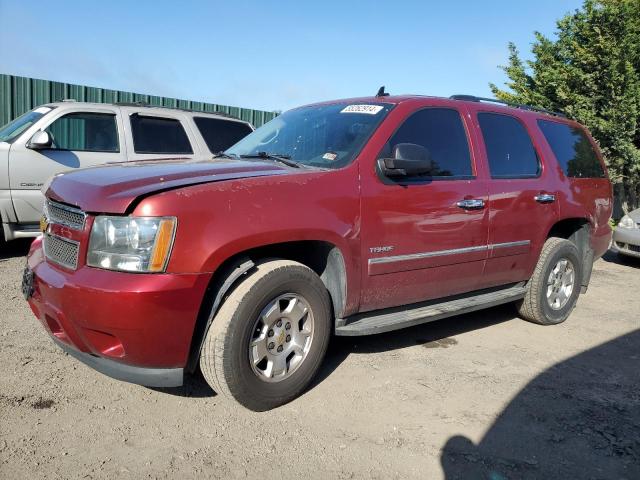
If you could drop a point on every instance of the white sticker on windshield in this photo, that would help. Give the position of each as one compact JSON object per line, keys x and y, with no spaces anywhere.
{"x":368,"y":109}
{"x":42,"y":110}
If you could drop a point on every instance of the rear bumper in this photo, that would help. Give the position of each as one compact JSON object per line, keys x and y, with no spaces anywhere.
{"x":627,"y":241}
{"x":600,"y":241}
{"x":133,"y":327}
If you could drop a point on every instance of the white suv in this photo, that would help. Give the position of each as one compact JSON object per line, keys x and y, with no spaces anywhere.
{"x":61,"y":136}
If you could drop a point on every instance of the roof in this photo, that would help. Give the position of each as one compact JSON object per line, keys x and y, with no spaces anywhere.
{"x":467,"y":99}
{"x":159,"y":108}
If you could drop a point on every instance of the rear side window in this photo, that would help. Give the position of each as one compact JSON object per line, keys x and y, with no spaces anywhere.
{"x":441,"y":132}
{"x":85,"y":132}
{"x":509,"y":148}
{"x":158,"y":135}
{"x":572,"y":149}
{"x":220,"y":134}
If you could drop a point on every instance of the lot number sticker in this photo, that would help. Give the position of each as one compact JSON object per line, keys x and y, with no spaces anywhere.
{"x":368,"y":109}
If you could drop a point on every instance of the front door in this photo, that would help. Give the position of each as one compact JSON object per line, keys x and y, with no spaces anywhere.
{"x":80,"y":139}
{"x":425,"y":236}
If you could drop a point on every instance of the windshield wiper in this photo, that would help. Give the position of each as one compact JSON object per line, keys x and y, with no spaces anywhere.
{"x":285,"y":159}
{"x":223,"y":155}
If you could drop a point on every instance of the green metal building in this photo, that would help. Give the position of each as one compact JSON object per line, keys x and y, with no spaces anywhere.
{"x":20,"y":94}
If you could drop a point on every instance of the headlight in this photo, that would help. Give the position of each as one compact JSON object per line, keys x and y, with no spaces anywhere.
{"x":627,"y":222}
{"x":131,"y":244}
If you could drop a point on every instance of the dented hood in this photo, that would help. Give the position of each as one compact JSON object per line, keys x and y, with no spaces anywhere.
{"x":112,"y":188}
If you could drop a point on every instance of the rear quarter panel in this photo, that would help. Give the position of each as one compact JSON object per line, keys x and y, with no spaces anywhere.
{"x":588,"y":198}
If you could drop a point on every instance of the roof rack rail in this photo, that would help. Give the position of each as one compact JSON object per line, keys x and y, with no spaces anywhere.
{"x":473,"y":98}
{"x":145,"y":104}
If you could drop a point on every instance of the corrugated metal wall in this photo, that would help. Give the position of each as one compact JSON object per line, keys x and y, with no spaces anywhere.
{"x":20,"y":94}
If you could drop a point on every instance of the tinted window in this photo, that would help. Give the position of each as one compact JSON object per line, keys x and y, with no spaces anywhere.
{"x":221,"y":134}
{"x":509,"y":148}
{"x":158,"y":135}
{"x":572,"y":149}
{"x":441,"y":132}
{"x":84,"y":131}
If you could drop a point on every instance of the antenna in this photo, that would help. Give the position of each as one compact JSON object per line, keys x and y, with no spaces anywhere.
{"x":381,"y":92}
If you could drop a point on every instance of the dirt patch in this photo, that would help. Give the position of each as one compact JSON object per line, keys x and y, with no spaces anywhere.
{"x":442,"y":343}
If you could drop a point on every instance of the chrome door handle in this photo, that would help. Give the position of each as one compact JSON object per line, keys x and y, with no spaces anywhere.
{"x":545,"y":198}
{"x":471,"y":204}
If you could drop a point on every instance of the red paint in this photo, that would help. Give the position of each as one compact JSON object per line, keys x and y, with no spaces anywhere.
{"x":227,"y":207}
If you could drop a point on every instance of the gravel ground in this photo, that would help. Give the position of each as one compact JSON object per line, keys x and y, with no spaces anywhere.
{"x":483,"y":395}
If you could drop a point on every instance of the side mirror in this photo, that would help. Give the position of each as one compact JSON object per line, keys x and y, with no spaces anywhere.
{"x":40,"y":140}
{"x":408,"y":159}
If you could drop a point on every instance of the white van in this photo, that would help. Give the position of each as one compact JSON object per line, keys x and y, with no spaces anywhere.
{"x":58,"y":137}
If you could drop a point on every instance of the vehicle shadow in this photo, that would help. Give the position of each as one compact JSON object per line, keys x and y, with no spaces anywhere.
{"x":612,"y":257}
{"x":341,"y":347}
{"x":15,"y":248}
{"x":578,"y":419}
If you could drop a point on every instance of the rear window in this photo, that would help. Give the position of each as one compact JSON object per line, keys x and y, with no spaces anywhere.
{"x":573,"y":150}
{"x":159,"y":135}
{"x":220,"y":134}
{"x":509,"y":148}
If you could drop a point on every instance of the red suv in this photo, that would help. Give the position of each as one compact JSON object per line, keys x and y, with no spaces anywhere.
{"x":349,"y":217}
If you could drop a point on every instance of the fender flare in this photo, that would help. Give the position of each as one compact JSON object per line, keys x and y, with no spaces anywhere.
{"x":221,"y":285}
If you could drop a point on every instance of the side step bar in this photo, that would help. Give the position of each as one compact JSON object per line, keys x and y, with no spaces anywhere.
{"x":380,"y":321}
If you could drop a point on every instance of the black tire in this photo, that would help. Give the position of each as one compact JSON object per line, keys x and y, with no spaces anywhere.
{"x":535,"y":306}
{"x":224,"y":359}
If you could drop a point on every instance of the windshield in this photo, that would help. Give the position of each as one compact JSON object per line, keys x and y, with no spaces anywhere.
{"x":12,"y":129}
{"x":327,"y":136}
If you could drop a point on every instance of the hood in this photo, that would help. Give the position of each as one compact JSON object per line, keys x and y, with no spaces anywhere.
{"x":635,"y":215}
{"x":112,"y":188}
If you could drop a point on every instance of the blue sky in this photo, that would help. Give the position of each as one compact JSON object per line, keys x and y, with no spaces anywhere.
{"x":271,"y":55}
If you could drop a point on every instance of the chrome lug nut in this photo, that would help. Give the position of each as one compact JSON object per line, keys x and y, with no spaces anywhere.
{"x":288,"y":338}
{"x":270,"y":333}
{"x":279,"y":348}
{"x":271,"y":345}
{"x":279,"y":323}
{"x":287,"y":326}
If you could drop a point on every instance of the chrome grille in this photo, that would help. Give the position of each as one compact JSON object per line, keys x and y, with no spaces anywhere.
{"x":61,"y":250}
{"x":63,"y":215}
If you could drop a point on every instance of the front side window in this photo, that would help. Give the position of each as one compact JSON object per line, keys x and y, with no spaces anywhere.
{"x":572,"y":149}
{"x":220,"y":134}
{"x":441,"y":132}
{"x":85,"y":132}
{"x":159,"y":135}
{"x":509,"y":148}
{"x":326,"y":136}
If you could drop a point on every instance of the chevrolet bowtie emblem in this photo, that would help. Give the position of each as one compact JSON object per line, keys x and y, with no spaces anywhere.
{"x":44,"y":223}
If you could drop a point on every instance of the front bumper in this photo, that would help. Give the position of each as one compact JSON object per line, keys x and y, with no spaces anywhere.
{"x":133,"y":327}
{"x":627,"y":241}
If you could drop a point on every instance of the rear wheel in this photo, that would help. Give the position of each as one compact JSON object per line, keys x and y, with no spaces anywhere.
{"x":270,"y":336}
{"x":555,"y":285}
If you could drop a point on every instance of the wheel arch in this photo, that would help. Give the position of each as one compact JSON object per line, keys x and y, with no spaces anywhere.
{"x":324,"y":258}
{"x":577,"y":230}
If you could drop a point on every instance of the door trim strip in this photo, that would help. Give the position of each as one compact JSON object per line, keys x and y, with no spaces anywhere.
{"x":440,"y":253}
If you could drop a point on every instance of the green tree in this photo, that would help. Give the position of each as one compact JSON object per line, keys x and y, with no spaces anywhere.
{"x":591,"y":72}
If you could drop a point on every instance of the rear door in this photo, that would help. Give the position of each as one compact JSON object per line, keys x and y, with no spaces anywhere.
{"x":81,"y":138}
{"x":522,"y":196}
{"x":424,"y":237}
{"x":152,"y":134}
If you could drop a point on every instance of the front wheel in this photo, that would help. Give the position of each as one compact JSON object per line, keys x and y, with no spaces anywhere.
{"x":555,"y":285}
{"x":270,"y":336}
